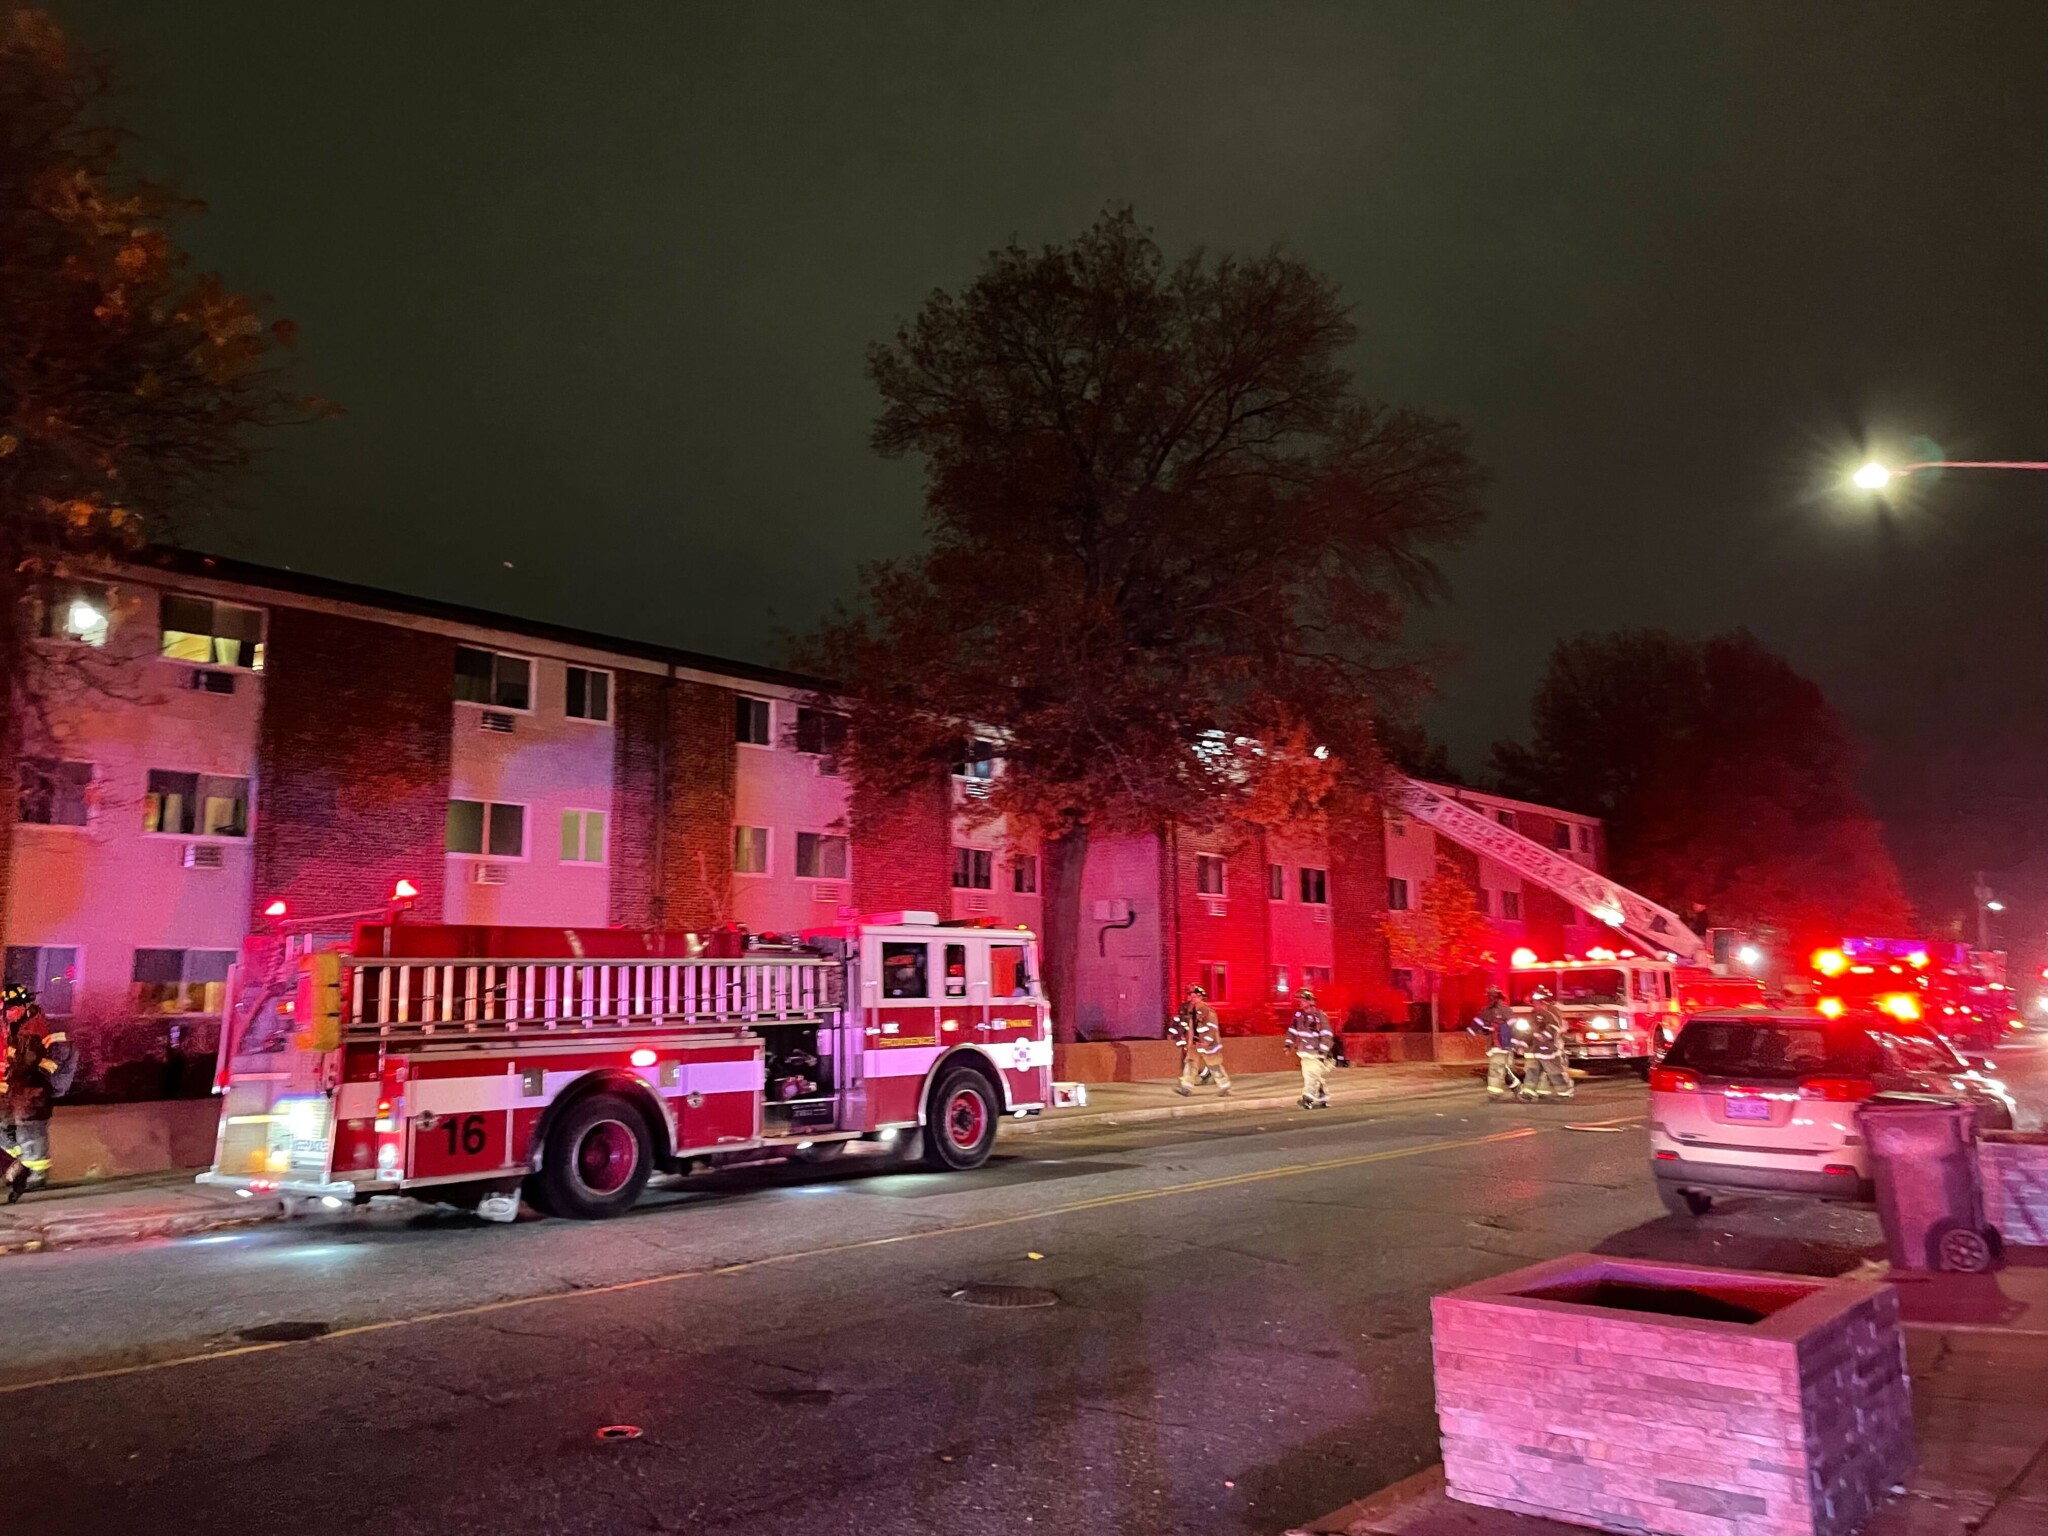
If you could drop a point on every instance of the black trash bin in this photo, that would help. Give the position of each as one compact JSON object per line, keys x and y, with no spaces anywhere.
{"x":1923,"y":1155}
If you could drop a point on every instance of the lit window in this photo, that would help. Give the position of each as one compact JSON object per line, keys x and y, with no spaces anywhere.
{"x":1315,"y":887}
{"x":1279,"y":981}
{"x":1210,"y":874}
{"x":750,"y":850}
{"x":587,"y":694}
{"x":752,"y":722}
{"x":482,"y":827}
{"x":196,"y":805}
{"x":181,"y":980}
{"x":197,"y":629}
{"x":78,"y":611}
{"x":820,"y":856}
{"x":55,"y":794}
{"x":1397,"y":894}
{"x":583,"y":837}
{"x":1024,"y":874}
{"x":493,"y":679}
{"x":973,"y":869}
{"x":48,"y":970}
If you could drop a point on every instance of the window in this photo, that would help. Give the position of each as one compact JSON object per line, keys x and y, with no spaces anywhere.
{"x":1315,"y":886}
{"x":482,"y":827}
{"x":906,"y":970}
{"x":1215,"y":978}
{"x":1276,"y":882}
{"x":212,"y":634}
{"x":1210,"y":874}
{"x":1402,"y":980}
{"x":753,"y":722}
{"x":196,"y":805}
{"x":821,"y":732}
{"x":1315,"y":975}
{"x":1024,"y":873}
{"x":587,"y":695}
{"x":1511,"y":906}
{"x":1506,"y":819}
{"x":181,"y":980}
{"x":820,"y":856}
{"x":583,"y":837}
{"x":79,"y":611}
{"x":956,"y":970}
{"x":1009,"y":970}
{"x":486,"y":677}
{"x":980,"y":764}
{"x":54,"y":794}
{"x":50,"y":971}
{"x":1561,"y":836}
{"x":973,"y":869}
{"x":1397,"y":894}
{"x":1279,"y":981}
{"x":1585,"y":838}
{"x":1485,"y":900}
{"x":750,"y":850}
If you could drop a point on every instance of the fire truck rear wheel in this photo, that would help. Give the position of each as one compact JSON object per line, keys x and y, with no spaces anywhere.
{"x":597,"y":1160}
{"x":961,"y":1126}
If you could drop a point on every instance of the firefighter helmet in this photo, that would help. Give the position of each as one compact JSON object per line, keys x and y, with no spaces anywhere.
{"x":1198,"y":991}
{"x":17,"y":996}
{"x":1305,"y":995}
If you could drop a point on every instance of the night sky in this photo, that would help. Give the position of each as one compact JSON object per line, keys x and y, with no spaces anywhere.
{"x":593,"y":284}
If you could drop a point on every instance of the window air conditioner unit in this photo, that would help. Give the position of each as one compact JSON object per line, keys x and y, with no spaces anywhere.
{"x":205,"y":856}
{"x":489,"y":874}
{"x":978,"y":902}
{"x":1322,"y":914}
{"x":210,"y":682}
{"x":1215,"y":906}
{"x":492,"y":720}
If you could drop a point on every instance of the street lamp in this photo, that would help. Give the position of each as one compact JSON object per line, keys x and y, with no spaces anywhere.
{"x":1875,"y":476}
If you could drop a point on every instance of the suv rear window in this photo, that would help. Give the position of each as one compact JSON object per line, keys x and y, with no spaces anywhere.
{"x":1779,"y":1052}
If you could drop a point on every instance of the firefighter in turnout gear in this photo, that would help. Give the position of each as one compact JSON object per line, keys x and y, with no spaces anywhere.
{"x":40,"y":1063}
{"x":1503,"y":1032}
{"x":1545,"y":1074}
{"x":1200,"y":1038}
{"x":1310,"y":1038}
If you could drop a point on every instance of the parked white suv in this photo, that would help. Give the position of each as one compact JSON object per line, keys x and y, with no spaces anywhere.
{"x":1765,"y":1102}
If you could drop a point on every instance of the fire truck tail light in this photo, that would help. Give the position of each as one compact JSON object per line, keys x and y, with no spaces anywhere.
{"x":384,"y":1120}
{"x":1830,"y":1007}
{"x":1674,"y":1080}
{"x":643,"y":1057}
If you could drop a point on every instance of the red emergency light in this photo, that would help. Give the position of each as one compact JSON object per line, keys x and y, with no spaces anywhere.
{"x":405,"y":891}
{"x":276,"y":908}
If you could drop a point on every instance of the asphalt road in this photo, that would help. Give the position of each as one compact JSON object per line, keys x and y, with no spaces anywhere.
{"x":1240,"y":1338}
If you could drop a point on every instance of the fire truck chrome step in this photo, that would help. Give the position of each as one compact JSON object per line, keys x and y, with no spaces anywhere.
{"x":1005,"y":1296}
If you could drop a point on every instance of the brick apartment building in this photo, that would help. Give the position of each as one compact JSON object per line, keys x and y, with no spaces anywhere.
{"x":220,"y":737}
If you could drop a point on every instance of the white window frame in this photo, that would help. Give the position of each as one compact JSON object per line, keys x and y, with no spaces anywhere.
{"x":767,"y":868}
{"x":1301,"y":878}
{"x":796,"y":856}
{"x":532,"y":680}
{"x":525,"y":853}
{"x":611,"y":694}
{"x":1019,"y":862}
{"x":1213,"y":976}
{"x":768,"y":707}
{"x":216,"y":603}
{"x":985,"y":858}
{"x":584,"y":813}
{"x":248,"y":836}
{"x":1222,"y":891}
{"x":41,"y":985}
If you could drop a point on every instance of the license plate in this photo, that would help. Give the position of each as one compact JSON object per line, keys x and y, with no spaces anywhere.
{"x":1748,"y":1109}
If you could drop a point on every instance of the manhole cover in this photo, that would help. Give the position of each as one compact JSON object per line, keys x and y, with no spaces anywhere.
{"x":282,"y":1333}
{"x":1005,"y":1296}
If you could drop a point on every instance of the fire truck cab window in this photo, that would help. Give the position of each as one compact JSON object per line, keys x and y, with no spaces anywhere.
{"x":906,"y":970}
{"x":956,"y":970}
{"x":1009,"y":970}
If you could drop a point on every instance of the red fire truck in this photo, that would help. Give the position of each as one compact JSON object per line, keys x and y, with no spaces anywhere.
{"x":1614,"y":1003}
{"x":474,"y":1064}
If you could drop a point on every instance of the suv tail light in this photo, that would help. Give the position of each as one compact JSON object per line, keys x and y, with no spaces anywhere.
{"x":1837,"y":1090}
{"x":1673,"y":1080}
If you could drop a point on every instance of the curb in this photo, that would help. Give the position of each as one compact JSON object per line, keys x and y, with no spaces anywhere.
{"x":1060,"y":1120}
{"x":61,"y":1232}
{"x":1375,"y":1506}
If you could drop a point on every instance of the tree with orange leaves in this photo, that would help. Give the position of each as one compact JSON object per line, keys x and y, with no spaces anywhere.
{"x":129,"y":382}
{"x":1444,"y":935}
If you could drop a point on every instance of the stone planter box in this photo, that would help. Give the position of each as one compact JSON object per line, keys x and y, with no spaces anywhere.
{"x":2014,"y":1165}
{"x":1579,"y":1390}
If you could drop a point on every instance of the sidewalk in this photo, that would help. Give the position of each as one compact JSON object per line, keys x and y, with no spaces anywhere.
{"x":1136,"y":1103}
{"x":124,"y":1211}
{"x":1977,"y":1351}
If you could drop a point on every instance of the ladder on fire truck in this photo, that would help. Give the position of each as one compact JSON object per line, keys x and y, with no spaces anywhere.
{"x":1604,"y":900}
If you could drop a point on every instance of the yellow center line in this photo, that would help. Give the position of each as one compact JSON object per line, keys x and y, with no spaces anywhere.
{"x":673,"y":1277}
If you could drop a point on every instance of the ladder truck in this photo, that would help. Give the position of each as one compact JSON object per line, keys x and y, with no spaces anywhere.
{"x":479,"y":1065}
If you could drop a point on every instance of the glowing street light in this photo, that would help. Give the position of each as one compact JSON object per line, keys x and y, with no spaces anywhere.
{"x":1875,"y":476}
{"x":1872,"y":477}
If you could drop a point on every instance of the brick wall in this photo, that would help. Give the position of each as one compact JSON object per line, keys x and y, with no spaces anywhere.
{"x":354,"y":748}
{"x":1232,"y":932}
{"x":638,"y":762}
{"x":1358,"y":896}
{"x":696,"y":815}
{"x":903,"y":849}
